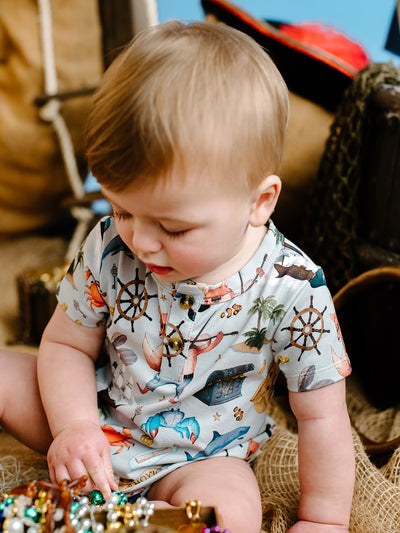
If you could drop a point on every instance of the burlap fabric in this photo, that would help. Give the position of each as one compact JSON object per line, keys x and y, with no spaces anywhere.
{"x":308,"y":131}
{"x":376,"y":502}
{"x":32,"y":177}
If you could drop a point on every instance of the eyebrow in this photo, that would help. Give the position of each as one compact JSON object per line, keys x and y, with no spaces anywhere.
{"x":110,"y":201}
{"x":163,"y":219}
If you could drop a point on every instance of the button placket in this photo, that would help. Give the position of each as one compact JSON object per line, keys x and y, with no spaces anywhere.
{"x":186,"y":301}
{"x":176,"y":345}
{"x":177,"y":331}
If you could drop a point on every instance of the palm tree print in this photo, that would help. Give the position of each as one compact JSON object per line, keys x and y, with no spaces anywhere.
{"x":265,"y":308}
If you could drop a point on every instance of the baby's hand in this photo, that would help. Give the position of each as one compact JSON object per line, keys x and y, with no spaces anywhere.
{"x":79,"y":449}
{"x":303,"y":526}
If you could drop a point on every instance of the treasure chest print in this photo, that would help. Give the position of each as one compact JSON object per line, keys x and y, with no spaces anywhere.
{"x":224,"y":385}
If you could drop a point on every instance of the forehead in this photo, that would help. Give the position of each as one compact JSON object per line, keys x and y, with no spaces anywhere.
{"x":172,"y":197}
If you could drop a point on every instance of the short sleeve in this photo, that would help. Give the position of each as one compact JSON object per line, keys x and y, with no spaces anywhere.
{"x":80,"y":294}
{"x":309,"y":346}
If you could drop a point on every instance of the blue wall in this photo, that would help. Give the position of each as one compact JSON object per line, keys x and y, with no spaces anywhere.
{"x":366,"y":21}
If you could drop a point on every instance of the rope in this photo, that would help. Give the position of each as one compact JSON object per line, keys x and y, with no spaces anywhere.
{"x":46,"y":34}
{"x":50,"y":112}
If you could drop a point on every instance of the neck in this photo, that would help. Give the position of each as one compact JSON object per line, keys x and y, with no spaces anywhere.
{"x":250,"y":243}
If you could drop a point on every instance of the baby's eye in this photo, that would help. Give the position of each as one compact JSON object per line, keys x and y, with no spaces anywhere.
{"x":121,"y":216}
{"x":173,"y":234}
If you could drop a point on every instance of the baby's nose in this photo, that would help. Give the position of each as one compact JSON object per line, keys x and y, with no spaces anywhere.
{"x":145,"y":237}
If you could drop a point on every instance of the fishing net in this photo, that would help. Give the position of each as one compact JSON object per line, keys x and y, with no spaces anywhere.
{"x":332,"y":220}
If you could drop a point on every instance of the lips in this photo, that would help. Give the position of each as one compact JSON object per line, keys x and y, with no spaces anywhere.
{"x":159,"y":269}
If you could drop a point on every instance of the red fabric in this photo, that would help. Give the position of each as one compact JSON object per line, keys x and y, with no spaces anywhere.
{"x":327,"y":39}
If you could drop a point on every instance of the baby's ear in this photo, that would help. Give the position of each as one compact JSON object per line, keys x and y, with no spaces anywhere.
{"x":266,"y":195}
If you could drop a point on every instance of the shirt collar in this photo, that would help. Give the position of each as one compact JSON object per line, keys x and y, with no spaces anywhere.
{"x":237,"y":284}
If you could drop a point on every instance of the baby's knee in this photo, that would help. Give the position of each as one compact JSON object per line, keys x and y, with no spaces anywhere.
{"x":225,"y":483}
{"x":239,"y":507}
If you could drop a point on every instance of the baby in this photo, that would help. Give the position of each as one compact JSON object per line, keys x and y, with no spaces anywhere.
{"x":180,"y":309}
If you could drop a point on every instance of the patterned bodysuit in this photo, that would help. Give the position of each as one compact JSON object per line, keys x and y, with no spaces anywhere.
{"x":189,"y":368}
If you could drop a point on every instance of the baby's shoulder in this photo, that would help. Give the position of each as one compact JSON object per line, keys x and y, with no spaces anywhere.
{"x":288,"y":259}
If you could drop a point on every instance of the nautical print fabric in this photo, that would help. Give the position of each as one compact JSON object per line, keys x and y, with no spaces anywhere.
{"x":190,"y":367}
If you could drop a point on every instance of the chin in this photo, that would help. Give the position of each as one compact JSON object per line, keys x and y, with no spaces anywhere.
{"x":172,"y":277}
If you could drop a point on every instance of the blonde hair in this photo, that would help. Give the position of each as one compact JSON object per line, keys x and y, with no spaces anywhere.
{"x":199,"y":97}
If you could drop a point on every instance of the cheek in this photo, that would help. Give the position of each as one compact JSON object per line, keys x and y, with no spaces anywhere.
{"x":125,"y":233}
{"x":199,"y":256}
{"x":183,"y":255}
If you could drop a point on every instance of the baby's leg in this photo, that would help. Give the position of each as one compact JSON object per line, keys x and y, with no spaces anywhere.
{"x":226,"y":483}
{"x":21,"y":410}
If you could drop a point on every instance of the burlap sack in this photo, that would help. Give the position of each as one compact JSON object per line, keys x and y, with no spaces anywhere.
{"x":376,"y":501}
{"x":32,"y":175}
{"x":308,"y":131}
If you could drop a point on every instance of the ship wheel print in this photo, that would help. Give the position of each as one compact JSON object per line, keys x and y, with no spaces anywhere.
{"x":174,"y":342}
{"x":132,"y":300}
{"x":306,"y":329}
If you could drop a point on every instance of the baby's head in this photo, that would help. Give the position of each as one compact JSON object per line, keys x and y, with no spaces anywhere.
{"x":202,"y":99}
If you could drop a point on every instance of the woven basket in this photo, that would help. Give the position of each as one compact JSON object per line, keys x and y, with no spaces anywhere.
{"x":368,"y":308}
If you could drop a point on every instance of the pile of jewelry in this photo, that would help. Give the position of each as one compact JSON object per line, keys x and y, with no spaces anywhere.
{"x":45,"y":507}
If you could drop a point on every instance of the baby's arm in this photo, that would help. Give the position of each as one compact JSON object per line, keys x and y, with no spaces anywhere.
{"x":326,"y":459}
{"x":67,"y":385}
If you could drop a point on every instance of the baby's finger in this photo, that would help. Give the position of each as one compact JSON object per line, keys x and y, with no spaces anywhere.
{"x":59,"y":474}
{"x":52,"y":473}
{"x":110,"y":478}
{"x":99,"y":476}
{"x":101,"y":482}
{"x":108,"y":469}
{"x":77,"y":470}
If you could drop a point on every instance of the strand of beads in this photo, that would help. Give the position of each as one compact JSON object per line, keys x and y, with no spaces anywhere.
{"x":44,"y":507}
{"x":129,"y":515}
{"x":215,"y":529}
{"x":18,"y":514}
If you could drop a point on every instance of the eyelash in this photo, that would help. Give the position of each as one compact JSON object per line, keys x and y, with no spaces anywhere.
{"x":121,"y":216}
{"x":171,"y":234}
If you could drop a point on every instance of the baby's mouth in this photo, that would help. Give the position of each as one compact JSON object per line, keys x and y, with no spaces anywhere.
{"x":159,"y":269}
